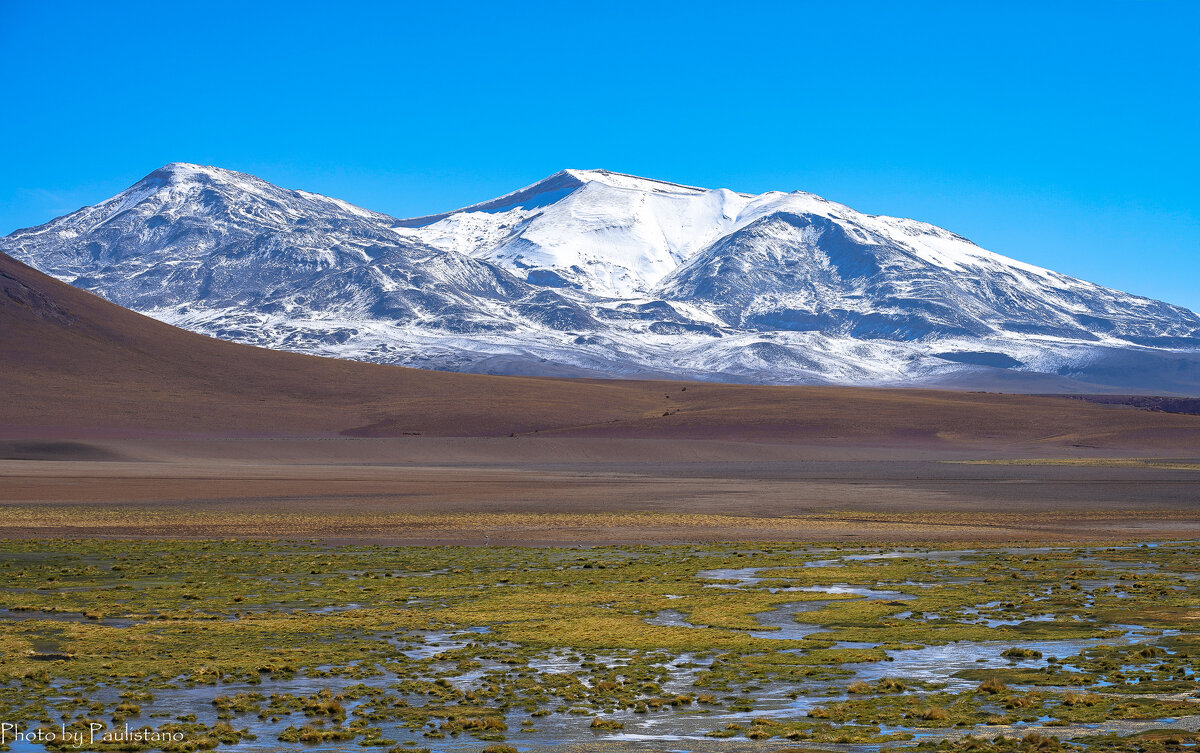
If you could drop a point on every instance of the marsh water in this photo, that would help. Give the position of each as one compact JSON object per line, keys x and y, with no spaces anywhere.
{"x":675,"y":648}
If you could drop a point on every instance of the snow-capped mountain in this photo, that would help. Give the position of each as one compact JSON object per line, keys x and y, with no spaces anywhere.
{"x":594,"y":272}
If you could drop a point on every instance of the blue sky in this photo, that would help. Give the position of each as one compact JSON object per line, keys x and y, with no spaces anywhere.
{"x":1063,"y":134}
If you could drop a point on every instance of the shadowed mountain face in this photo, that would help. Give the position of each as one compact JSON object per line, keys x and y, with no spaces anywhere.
{"x":595,"y":273}
{"x":75,"y":366}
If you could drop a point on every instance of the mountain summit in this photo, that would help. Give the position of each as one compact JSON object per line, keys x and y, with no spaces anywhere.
{"x":591,"y":272}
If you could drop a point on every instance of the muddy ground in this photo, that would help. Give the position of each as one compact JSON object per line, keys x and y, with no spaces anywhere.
{"x":587,"y":491}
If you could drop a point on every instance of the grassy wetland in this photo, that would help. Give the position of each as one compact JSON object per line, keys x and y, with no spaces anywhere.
{"x":265,"y":645}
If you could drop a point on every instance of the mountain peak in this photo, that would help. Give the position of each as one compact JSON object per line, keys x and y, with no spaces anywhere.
{"x":174,"y":172}
{"x":544,"y":192}
{"x":631,"y":182}
{"x":187,"y":174}
{"x":553,"y":188}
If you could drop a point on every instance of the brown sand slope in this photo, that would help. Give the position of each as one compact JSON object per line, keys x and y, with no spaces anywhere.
{"x":75,"y":365}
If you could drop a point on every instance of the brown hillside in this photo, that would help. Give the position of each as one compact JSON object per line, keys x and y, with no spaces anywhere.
{"x":75,"y":365}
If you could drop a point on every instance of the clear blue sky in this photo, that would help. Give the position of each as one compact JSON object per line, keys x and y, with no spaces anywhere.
{"x":1065,"y":134}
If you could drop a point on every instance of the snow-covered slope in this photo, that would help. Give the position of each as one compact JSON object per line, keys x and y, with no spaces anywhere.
{"x":594,"y":272}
